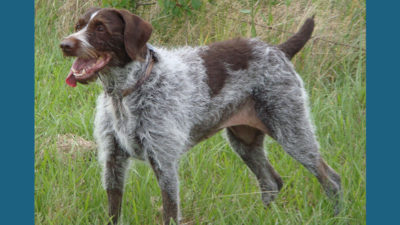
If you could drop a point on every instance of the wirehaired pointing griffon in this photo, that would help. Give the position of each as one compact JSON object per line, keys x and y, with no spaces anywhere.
{"x":158,"y":103}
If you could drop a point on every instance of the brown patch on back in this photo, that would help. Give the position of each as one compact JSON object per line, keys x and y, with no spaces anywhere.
{"x":235,"y":53}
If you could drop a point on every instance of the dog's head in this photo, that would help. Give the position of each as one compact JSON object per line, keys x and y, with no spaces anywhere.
{"x":104,"y":38}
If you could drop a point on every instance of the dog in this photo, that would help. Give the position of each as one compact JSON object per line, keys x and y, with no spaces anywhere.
{"x":158,"y":103}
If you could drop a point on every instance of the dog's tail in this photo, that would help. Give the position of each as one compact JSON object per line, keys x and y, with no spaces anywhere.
{"x":296,"y":42}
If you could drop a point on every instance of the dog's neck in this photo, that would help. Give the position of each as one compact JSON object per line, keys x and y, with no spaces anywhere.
{"x":117,"y":80}
{"x":114,"y":80}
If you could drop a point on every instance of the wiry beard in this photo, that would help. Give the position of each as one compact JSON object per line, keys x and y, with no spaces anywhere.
{"x":116,"y":79}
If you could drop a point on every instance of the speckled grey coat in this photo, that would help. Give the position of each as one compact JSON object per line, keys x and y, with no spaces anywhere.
{"x":244,"y":85}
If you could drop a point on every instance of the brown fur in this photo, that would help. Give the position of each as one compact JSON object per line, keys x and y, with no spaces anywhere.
{"x":246,"y":115}
{"x":137,"y":34}
{"x":114,"y":204}
{"x":115,"y":194}
{"x":295,"y":43}
{"x":112,"y":39}
{"x":235,"y":53}
{"x":123,"y":35}
{"x":170,"y":207}
{"x":70,"y":47}
{"x":245,"y":133}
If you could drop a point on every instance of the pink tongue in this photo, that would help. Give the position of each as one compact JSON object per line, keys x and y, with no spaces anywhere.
{"x":71,"y":81}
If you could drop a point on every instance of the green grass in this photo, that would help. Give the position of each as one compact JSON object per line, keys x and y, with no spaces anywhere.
{"x":216,"y":187}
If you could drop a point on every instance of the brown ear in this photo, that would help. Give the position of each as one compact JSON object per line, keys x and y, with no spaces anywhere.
{"x":136,"y":33}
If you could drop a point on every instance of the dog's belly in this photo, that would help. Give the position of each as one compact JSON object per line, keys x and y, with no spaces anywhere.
{"x":245,"y":118}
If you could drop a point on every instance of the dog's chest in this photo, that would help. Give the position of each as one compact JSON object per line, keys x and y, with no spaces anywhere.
{"x":123,"y":126}
{"x":125,"y":135}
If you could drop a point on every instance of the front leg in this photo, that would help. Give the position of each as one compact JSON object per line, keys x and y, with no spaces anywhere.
{"x":115,"y":163}
{"x":166,"y":171}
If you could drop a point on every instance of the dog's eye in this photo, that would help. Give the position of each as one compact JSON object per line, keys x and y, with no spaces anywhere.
{"x":77,"y":27}
{"x":100,"y":28}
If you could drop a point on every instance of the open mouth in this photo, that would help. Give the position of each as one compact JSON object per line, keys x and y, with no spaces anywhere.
{"x":85,"y":69}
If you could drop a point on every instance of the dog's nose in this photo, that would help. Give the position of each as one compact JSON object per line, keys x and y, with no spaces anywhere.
{"x":66,"y":44}
{"x":69,"y":46}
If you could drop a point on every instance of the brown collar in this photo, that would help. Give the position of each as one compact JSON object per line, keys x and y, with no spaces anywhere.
{"x":152,"y":59}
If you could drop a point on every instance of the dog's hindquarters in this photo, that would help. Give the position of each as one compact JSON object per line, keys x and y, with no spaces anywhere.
{"x":282,"y":105}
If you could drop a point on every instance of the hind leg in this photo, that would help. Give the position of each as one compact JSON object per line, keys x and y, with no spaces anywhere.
{"x":284,"y":112}
{"x":248,"y":143}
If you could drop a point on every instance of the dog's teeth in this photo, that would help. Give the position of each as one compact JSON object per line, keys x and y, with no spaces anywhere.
{"x":84,"y":71}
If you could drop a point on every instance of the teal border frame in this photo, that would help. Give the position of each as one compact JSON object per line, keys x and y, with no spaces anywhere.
{"x":17,"y":112}
{"x":383,"y":112}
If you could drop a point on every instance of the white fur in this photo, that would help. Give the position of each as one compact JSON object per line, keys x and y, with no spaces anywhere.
{"x":81,"y":35}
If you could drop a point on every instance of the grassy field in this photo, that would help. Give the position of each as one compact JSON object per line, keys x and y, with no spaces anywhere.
{"x":216,"y":187}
